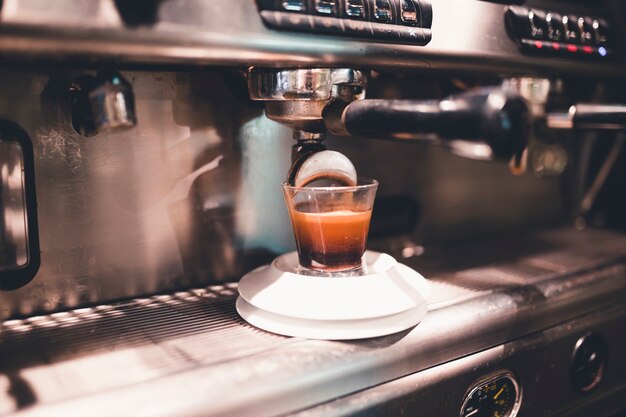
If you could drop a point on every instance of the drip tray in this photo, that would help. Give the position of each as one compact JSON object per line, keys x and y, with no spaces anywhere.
{"x":190,"y":353}
{"x":78,"y":353}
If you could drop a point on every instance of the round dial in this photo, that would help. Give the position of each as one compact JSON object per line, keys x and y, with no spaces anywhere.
{"x":496,"y":396}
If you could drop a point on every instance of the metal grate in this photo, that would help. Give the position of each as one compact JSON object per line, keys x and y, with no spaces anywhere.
{"x":123,"y":344}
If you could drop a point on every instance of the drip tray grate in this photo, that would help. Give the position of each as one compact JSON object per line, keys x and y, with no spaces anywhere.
{"x":123,"y":344}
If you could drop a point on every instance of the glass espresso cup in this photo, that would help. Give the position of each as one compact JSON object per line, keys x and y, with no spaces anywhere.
{"x":330,"y":225}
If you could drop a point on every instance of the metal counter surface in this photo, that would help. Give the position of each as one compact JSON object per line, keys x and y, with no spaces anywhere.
{"x":189,"y":354}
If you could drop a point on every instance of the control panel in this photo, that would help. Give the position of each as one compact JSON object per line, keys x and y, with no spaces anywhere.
{"x":556,"y":34}
{"x":405,"y":21}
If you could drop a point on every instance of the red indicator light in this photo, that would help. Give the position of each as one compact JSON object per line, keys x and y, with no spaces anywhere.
{"x":572,"y":48}
{"x":588,"y":49}
{"x":538,"y":44}
{"x":556,"y":46}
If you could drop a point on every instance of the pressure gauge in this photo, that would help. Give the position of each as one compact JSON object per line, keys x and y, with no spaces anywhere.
{"x":497,"y":395}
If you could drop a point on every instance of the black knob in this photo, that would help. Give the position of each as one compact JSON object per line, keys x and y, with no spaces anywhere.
{"x":589,"y":361}
{"x":556,"y":30}
{"x":570,"y":23}
{"x":538,"y":24}
{"x":600,"y":31}
{"x":585,"y":29}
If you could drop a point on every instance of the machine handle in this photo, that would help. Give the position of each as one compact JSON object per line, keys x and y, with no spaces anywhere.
{"x":489,"y":117}
{"x":586,"y":116}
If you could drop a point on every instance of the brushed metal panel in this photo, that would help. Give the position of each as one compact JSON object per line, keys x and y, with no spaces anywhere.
{"x":191,"y":195}
{"x":174,"y":202}
{"x":467,"y":35}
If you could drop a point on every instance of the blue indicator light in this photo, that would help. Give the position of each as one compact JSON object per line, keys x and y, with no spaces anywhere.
{"x":602,"y":51}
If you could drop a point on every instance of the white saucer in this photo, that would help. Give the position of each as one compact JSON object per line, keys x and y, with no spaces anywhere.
{"x":388,"y":299}
{"x":330,"y":329}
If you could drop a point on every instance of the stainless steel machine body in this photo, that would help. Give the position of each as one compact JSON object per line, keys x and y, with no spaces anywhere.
{"x":142,"y":232}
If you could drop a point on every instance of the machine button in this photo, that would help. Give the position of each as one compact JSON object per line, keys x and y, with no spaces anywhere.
{"x":599,"y":28}
{"x":426,"y":13}
{"x":409,"y":13}
{"x":555,"y":27}
{"x":538,"y":24}
{"x":571,"y":28}
{"x":383,"y":11}
{"x":293,"y":5}
{"x":585,"y":30}
{"x":355,"y":9}
{"x":325,"y":7}
{"x":602,"y":51}
{"x":588,"y":362}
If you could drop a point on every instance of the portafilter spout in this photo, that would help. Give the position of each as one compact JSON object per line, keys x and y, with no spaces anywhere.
{"x":297,"y":98}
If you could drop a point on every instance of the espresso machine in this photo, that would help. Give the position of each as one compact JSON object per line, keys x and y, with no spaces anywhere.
{"x":144,"y":144}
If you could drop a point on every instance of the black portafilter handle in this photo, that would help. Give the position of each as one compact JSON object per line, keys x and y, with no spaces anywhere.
{"x":590,"y":116}
{"x":494,"y":117}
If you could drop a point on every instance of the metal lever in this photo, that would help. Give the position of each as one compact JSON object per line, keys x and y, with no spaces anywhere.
{"x":586,"y":116}
{"x":484,"y":124}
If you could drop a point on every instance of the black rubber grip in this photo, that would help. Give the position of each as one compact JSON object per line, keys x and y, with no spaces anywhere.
{"x":490,"y":116}
{"x":385,"y":117}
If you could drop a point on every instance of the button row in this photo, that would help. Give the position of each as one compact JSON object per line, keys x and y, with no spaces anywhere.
{"x":541,"y":25}
{"x":345,"y":27}
{"x":563,"y":49}
{"x":391,"y":20}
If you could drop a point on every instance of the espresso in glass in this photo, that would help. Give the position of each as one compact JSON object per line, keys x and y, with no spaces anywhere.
{"x":330,"y":225}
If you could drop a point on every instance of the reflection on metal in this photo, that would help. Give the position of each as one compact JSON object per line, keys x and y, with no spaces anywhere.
{"x":112,"y":102}
{"x":19,"y":244}
{"x":300,"y":84}
{"x":590,"y":116}
{"x":476,"y":151}
{"x":13,"y":224}
{"x":534,"y":90}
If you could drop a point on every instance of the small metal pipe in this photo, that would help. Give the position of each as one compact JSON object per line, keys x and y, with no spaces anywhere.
{"x":304,"y":136}
{"x":560,"y":121}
